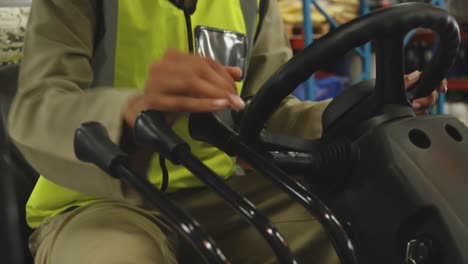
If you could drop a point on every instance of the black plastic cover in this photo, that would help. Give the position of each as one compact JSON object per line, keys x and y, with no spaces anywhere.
{"x":152,"y":131}
{"x":92,"y":144}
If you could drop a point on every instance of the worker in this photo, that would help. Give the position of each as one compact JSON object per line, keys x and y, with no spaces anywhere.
{"x":106,"y":61}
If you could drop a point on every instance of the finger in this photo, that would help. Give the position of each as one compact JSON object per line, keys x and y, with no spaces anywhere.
{"x":412,"y":78}
{"x":168,"y":83}
{"x":189,"y":104}
{"x":235,"y":72}
{"x":236,"y":102}
{"x":172,"y":54}
{"x":201,"y":88}
{"x":421,"y":112}
{"x":443,"y":86}
{"x":425,"y":102}
{"x":182,"y":74}
{"x":195,"y":86}
{"x":220,"y":69}
{"x":218,"y":74}
{"x":180,"y":62}
{"x":435,"y":97}
{"x":422,"y":103}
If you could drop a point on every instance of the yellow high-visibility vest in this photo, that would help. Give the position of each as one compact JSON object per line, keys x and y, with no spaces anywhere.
{"x":132,"y":34}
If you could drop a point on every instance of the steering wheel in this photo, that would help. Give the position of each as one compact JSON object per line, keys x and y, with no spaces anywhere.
{"x":374,"y":183}
{"x":387,"y":27}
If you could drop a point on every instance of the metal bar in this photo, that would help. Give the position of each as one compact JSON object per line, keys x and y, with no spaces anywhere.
{"x":408,"y":37}
{"x":239,"y":203}
{"x":152,"y":131}
{"x":93,"y":145}
{"x":333,"y":23}
{"x":441,"y":100}
{"x":363,"y":52}
{"x":188,"y":227}
{"x":307,"y":199}
{"x":308,"y":38}
{"x":366,"y":49}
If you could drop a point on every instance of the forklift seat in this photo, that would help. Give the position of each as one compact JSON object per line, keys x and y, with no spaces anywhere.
{"x":17,"y":180}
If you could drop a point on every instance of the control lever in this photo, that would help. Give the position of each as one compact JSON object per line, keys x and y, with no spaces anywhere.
{"x":92,"y":144}
{"x":151,"y":130}
{"x":209,"y":127}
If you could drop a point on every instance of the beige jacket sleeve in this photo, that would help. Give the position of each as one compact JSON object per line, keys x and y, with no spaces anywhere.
{"x":270,"y":52}
{"x":53,"y":98}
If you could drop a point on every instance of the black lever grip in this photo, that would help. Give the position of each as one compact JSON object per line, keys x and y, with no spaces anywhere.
{"x":92,"y":144}
{"x":151,"y":130}
{"x":208,"y":127}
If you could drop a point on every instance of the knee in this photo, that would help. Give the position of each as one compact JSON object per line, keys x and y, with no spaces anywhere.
{"x":111,"y":235}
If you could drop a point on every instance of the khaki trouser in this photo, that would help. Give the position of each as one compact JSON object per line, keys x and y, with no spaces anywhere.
{"x":116,"y":232}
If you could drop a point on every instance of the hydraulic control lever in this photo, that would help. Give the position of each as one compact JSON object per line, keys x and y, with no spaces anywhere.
{"x":92,"y":144}
{"x":151,"y":130}
{"x":209,"y":127}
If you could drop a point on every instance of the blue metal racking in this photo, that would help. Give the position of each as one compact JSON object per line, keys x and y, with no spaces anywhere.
{"x":363,"y":52}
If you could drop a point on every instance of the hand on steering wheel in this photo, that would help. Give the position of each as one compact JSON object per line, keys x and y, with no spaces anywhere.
{"x":421,"y":105}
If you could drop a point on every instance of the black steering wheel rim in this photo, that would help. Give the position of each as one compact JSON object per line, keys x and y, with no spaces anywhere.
{"x":387,"y":27}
